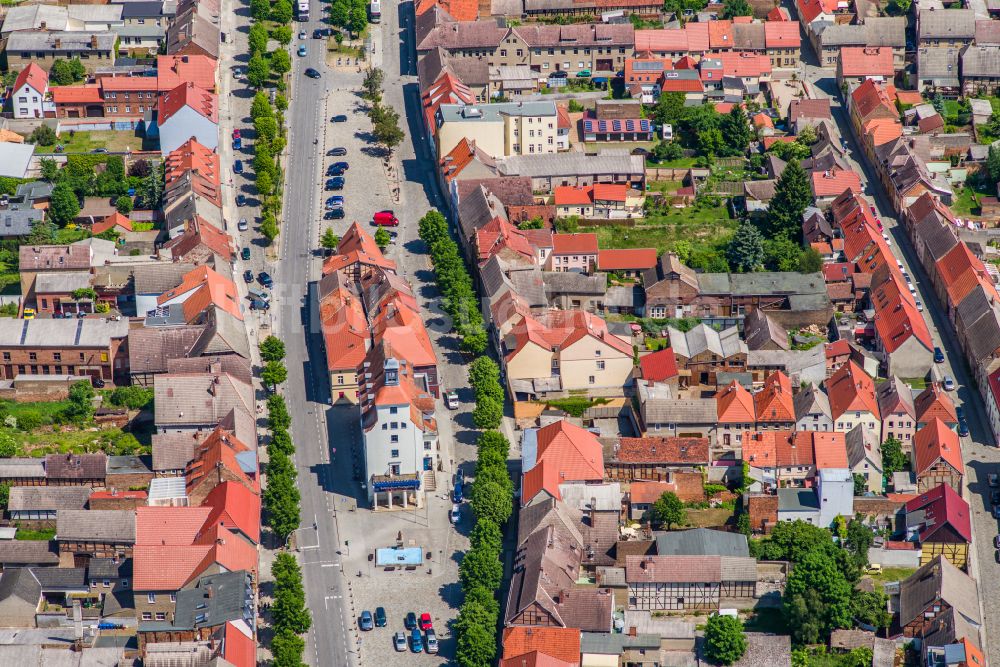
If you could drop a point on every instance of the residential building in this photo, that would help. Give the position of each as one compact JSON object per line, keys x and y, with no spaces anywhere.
{"x":951,"y":29}
{"x":864,"y":456}
{"x":612,"y":201}
{"x":736,"y":416}
{"x":345,"y":336}
{"x":852,"y":398}
{"x":937,"y":457}
{"x":659,"y":366}
{"x":43,"y":48}
{"x":632,"y":262}
{"x":128,"y":96}
{"x":773,"y":405}
{"x":572,"y":252}
{"x":88,"y":470}
{"x":682,"y":583}
{"x":40,"y":503}
{"x":939,"y":601}
{"x":548,"y":171}
{"x":812,"y":410}
{"x":935,"y":403}
{"x":200,"y":401}
{"x":980,"y":69}
{"x":188,"y":112}
{"x":191,"y":33}
{"x":86,"y":534}
{"x":782,"y":43}
{"x":566,"y":350}
{"x":499,"y":129}
{"x":555,"y":646}
{"x":937,"y":73}
{"x":896,"y":406}
{"x":29,"y":93}
{"x":653,"y":458}
{"x":561,"y":453}
{"x":763,"y":333}
{"x":940,"y":524}
{"x":89,"y":348}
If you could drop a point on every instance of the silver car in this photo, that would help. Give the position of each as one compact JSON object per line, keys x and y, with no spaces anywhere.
{"x":432,"y":642}
{"x":399,"y":641}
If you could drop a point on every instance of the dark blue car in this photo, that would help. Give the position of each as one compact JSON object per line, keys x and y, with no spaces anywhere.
{"x":938,"y":356}
{"x":456,"y":494}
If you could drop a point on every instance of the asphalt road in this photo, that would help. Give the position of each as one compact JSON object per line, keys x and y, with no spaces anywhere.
{"x":978,"y":449}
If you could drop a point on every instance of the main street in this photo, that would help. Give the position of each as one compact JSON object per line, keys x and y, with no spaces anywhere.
{"x":981,"y":455}
{"x":337,"y":530}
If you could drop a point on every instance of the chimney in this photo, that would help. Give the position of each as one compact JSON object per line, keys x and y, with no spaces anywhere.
{"x":58,"y":43}
{"x":632,"y":631}
{"x":41,"y":25}
{"x":93,"y":41}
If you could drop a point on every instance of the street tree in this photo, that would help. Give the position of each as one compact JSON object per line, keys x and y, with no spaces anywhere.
{"x":289,"y":609}
{"x":745,"y":251}
{"x":329,"y":240}
{"x":261,"y":106}
{"x":260,"y":10}
{"x":382,"y":238}
{"x":274,"y":373}
{"x":268,"y":226}
{"x":372,"y":85}
{"x":480,"y":567}
{"x":725,"y":642}
{"x":266,"y":127}
{"x":257,"y":71}
{"x":264,"y":184}
{"x":488,"y":412}
{"x":281,"y":11}
{"x":668,"y":510}
{"x":491,"y":501}
{"x":340,"y":13}
{"x":281,"y":62}
{"x":257,"y":39}
{"x":281,"y":497}
{"x":272,"y":348}
{"x":484,"y":374}
{"x":485,"y":535}
{"x":280,"y":439}
{"x":493,"y":441}
{"x":282,"y":34}
{"x":476,"y":646}
{"x":485,"y":598}
{"x":358,"y":19}
{"x":432,"y":227}
{"x":63,"y":204}
{"x":387,"y":131}
{"x":287,"y":649}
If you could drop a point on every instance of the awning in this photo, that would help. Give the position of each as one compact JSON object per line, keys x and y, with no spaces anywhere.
{"x":395,"y":483}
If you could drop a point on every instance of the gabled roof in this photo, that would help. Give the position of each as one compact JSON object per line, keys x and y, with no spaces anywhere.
{"x":201,"y":289}
{"x":829,"y":450}
{"x":872,"y":97}
{"x":498,"y":235}
{"x":774,"y":402}
{"x":833,"y":182}
{"x":894,"y":396}
{"x":553,"y":329}
{"x":234,"y":507}
{"x":851,"y":390}
{"x":575,"y":452}
{"x":933,"y":402}
{"x":701,"y":542}
{"x":938,"y":580}
{"x":345,"y":329}
{"x":866,"y":61}
{"x":897,"y":319}
{"x":560,"y":643}
{"x":658,"y":366}
{"x":626,"y":259}
{"x":781,"y":34}
{"x":115,"y":220}
{"x":935,"y":442}
{"x":863,"y":444}
{"x":940,"y":507}
{"x":357,"y":246}
{"x":961,"y":271}
{"x":563,"y":244}
{"x":34,"y":76}
{"x":810,"y":400}
{"x":735,"y":404}
{"x":187,"y":94}
{"x":176,"y":70}
{"x":669,"y":450}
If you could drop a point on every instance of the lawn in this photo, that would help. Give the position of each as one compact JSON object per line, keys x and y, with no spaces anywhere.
{"x":709,"y":518}
{"x":965,"y":203}
{"x":916,"y":383}
{"x":47,"y":411}
{"x":10,"y":279}
{"x":679,"y":163}
{"x":890,"y":574}
{"x":43,"y":534}
{"x":950,"y":108}
{"x":665,"y":186}
{"x":699,"y":225}
{"x":85,"y":141}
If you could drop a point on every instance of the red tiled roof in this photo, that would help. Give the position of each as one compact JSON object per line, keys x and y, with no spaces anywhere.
{"x":448,"y":89}
{"x":107,"y":495}
{"x":205,"y":288}
{"x":672,"y":40}
{"x":961,"y":272}
{"x":573,"y":195}
{"x":460,"y":10}
{"x":806,"y":108}
{"x":872,"y":96}
{"x":781,"y":34}
{"x":357,"y":246}
{"x":610,"y":192}
{"x":810,"y":9}
{"x":345,"y":329}
{"x":568,"y":244}
{"x":866,"y":61}
{"x":576,"y":452}
{"x":760,"y":448}
{"x":235,"y":506}
{"x":172,"y":71}
{"x":835,"y":181}
{"x":658,"y":366}
{"x":626,"y":259}
{"x":562,"y":328}
{"x":34,"y":76}
{"x":698,"y":36}
{"x":543,"y":477}
{"x":238,"y":648}
{"x":536,"y":659}
{"x":127,"y":83}
{"x":743,"y":63}
{"x":497,"y":235}
{"x":774,"y":403}
{"x":561,"y":643}
{"x":795,"y":449}
{"x":851,"y":390}
{"x":942,"y":506}
{"x":896,"y":316}
{"x":76,"y":94}
{"x":934,"y":403}
{"x":734,"y":404}
{"x":762,"y":120}
{"x":670,"y":450}
{"x":188,"y":95}
{"x":936,"y":441}
{"x":158,"y":567}
{"x":838,"y":348}
{"x":647,"y":74}
{"x":779,"y":14}
{"x":770,"y":141}
{"x":720,"y":34}
{"x":829,"y":450}
{"x":116,"y":219}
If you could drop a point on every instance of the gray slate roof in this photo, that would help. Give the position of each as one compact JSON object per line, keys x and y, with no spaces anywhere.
{"x":948,"y":24}
{"x":47,"y":498}
{"x":28,"y":552}
{"x":214,"y":600}
{"x":63,"y":333}
{"x":981,"y":61}
{"x":571,"y":164}
{"x":96,"y":526}
{"x":17,"y":220}
{"x":938,"y":578}
{"x":701,"y":542}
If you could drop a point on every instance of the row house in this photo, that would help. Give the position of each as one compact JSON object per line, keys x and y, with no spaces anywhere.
{"x":562,"y":454}
{"x":736,"y":414}
{"x":937,"y":457}
{"x":86,"y":534}
{"x":96,"y":49}
{"x":188,"y":112}
{"x":29,"y":97}
{"x":851,"y":392}
{"x":653,"y":458}
{"x":859,"y":63}
{"x":980,"y":70}
{"x":688,"y":583}
{"x":499,"y":129}
{"x":788,"y":458}
{"x":345,"y":335}
{"x":935,"y":403}
{"x":938,"y":521}
{"x":812,"y":410}
{"x":898,"y":412}
{"x":954,"y":28}
{"x":884,"y":32}
{"x":939,"y":600}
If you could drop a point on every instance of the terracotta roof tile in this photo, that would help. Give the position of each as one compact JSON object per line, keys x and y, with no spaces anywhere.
{"x":851,"y":390}
{"x":659,"y":366}
{"x":774,"y":403}
{"x":76,"y":94}
{"x":626,"y":259}
{"x":34,"y":76}
{"x":934,"y":403}
{"x":563,"y":244}
{"x":934,"y":442}
{"x":835,"y":181}
{"x":668,"y":450}
{"x":866,"y":61}
{"x":830,"y":450}
{"x":735,"y":405}
{"x":174,"y":70}
{"x":561,"y":643}
{"x":187,"y":94}
{"x":576,"y":452}
{"x":781,"y":34}
{"x":942,"y":507}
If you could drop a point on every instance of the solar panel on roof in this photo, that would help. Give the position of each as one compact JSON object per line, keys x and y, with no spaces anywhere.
{"x":647,"y":65}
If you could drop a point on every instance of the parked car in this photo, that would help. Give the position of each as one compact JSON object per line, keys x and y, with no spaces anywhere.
{"x":410,"y":621}
{"x":432,"y":642}
{"x":948,"y":383}
{"x":264,"y":278}
{"x":243,"y":225}
{"x":245,"y":254}
{"x":318,"y":34}
{"x":385,"y":219}
{"x":455,"y":514}
{"x":416,"y":641}
{"x":335,"y":183}
{"x":365,"y":622}
{"x":399,"y":641}
{"x":302,"y":34}
{"x":583,"y":74}
{"x":339,"y":118}
{"x":996,"y":541}
{"x":334,"y":214}
{"x":380,"y":620}
{"x":451,"y":400}
{"x":338,"y":151}
{"x":236,"y":133}
{"x":995,"y":511}
{"x":311,"y":73}
{"x":248,"y":276}
{"x":340,"y":165}
{"x":334,"y":170}
{"x":335,"y":201}
{"x":237,"y":143}
{"x":920,"y":305}
{"x":241,"y":200}
{"x":963,"y":428}
{"x":456,"y":492}
{"x":259,"y":304}
{"x":938,"y":356}
{"x":993,"y":479}
{"x":995,"y":497}
{"x":238,"y":167}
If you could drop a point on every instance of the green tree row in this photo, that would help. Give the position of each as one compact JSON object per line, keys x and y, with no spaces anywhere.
{"x":481,"y":569}
{"x":350,"y":15}
{"x":289,"y":613}
{"x":484,"y":376}
{"x":455,"y":283}
{"x":268,"y":125}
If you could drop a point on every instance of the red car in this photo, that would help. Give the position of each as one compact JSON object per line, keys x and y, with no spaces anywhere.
{"x":385,"y":219}
{"x":236,"y":133}
{"x":425,"y":622}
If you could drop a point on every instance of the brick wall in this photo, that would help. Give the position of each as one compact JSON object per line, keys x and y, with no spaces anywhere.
{"x":763,"y":511}
{"x":127,"y":481}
